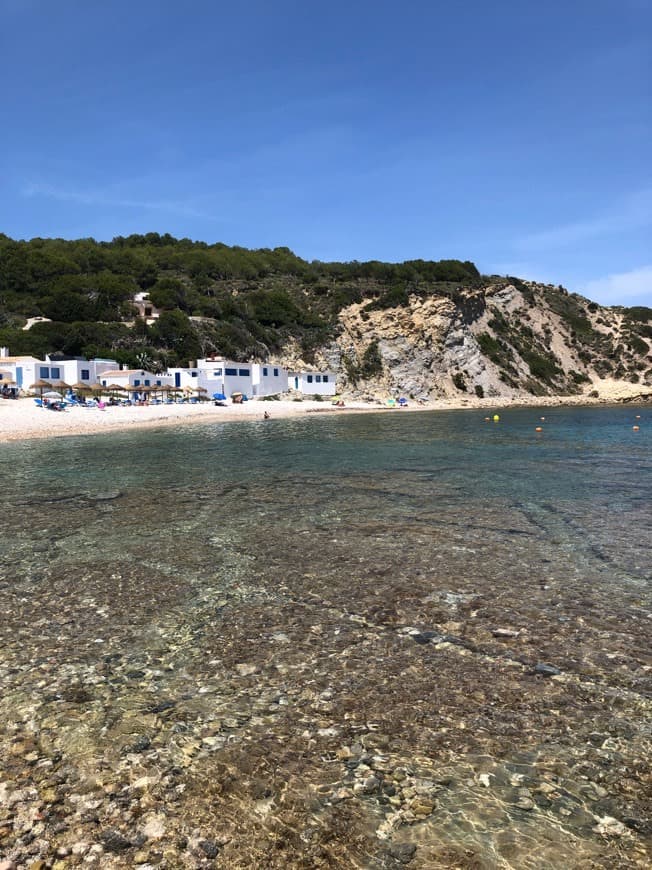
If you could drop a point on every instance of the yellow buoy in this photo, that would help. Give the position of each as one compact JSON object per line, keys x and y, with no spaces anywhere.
{"x":636,"y":428}
{"x":496,"y":418}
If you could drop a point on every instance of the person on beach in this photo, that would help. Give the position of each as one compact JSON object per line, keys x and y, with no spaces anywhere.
{"x":266,"y":416}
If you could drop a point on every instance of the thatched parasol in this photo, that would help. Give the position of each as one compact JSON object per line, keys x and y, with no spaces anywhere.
{"x":40,"y":385}
{"x":60,"y":385}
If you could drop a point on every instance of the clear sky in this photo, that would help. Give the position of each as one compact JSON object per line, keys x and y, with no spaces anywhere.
{"x":514,"y":134}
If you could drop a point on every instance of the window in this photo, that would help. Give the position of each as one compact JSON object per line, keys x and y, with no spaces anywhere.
{"x":217,"y":372}
{"x":103,"y":383}
{"x":193,"y":374}
{"x":309,"y":379}
{"x":318,"y":379}
{"x":136,"y":383}
{"x":44,"y":372}
{"x":55,"y":373}
{"x":275,"y":373}
{"x":325,"y":379}
{"x":147,"y":382}
{"x":231,"y":372}
{"x":85,"y":374}
{"x":158,"y":383}
{"x":244,"y":373}
{"x":264,"y":371}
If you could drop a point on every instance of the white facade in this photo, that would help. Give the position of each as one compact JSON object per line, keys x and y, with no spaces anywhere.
{"x":218,"y":375}
{"x":213,"y":374}
{"x":313,"y":383}
{"x":88,"y":371}
{"x":132,"y":379}
{"x":268,"y":379}
{"x":252,"y":379}
{"x":22,"y":369}
{"x":27,"y":370}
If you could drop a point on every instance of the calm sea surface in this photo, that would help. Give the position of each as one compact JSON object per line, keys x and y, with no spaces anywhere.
{"x":346,"y":641}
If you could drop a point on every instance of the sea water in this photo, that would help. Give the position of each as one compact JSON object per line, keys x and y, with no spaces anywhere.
{"x":346,"y":639}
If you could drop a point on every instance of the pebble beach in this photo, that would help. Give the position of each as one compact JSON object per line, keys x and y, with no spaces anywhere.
{"x":21,"y":419}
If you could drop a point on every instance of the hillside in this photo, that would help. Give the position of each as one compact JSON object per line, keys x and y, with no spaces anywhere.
{"x":428,"y":329}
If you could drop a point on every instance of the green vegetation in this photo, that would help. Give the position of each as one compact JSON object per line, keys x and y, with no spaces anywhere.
{"x":243,"y":304}
{"x":460,"y":381}
{"x":214,"y":298}
{"x":639,"y":313}
{"x":366,"y":367}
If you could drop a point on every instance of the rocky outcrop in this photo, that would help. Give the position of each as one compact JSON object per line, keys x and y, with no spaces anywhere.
{"x":505,"y":339}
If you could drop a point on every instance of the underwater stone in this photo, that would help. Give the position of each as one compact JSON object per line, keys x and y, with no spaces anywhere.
{"x":546,"y":670}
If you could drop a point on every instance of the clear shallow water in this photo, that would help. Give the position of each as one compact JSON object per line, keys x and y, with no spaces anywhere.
{"x":317,"y":641}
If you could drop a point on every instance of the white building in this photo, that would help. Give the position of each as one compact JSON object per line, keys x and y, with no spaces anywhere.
{"x":268,"y":379}
{"x":78,"y":369}
{"x":213,"y":374}
{"x":146,"y":310}
{"x":313,"y":383}
{"x":219,"y":375}
{"x":132,"y":379}
{"x":21,"y":369}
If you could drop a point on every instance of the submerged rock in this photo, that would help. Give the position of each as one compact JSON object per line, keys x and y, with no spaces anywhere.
{"x":546,"y":670}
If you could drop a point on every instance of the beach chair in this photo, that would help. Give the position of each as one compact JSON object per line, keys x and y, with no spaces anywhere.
{"x":38,"y":403}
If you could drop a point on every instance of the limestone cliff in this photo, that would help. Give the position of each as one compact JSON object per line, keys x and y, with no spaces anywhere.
{"x":504,"y":339}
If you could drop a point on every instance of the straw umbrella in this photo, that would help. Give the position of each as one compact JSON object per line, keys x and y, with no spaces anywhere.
{"x":60,"y":386}
{"x":40,"y":385}
{"x":200,"y":391}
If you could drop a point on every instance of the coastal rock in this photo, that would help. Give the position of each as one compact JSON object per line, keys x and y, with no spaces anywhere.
{"x":546,"y":670}
{"x":402,"y":852}
{"x":610,"y":827}
{"x":114,"y":841}
{"x":210,"y":848}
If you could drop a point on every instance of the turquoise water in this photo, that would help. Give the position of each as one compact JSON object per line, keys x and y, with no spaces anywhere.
{"x":321,"y":639}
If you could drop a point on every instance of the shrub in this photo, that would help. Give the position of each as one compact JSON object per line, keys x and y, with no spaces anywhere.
{"x":460,"y":381}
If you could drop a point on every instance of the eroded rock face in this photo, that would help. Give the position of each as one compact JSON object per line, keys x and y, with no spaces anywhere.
{"x":501,"y":340}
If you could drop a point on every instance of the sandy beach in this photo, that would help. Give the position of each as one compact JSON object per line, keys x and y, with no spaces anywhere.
{"x":21,"y":419}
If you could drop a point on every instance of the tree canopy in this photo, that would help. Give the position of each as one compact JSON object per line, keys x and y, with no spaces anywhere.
{"x":213,"y":297}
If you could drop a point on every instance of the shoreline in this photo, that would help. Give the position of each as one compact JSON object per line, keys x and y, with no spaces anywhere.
{"x":22,"y":420}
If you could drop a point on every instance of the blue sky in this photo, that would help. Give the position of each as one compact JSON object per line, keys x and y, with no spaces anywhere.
{"x":516,"y":135}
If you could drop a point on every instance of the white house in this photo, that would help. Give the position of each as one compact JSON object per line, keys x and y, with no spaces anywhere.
{"x":268,"y":379}
{"x":26,"y":370}
{"x":146,"y":310}
{"x":77,"y":369}
{"x":252,"y":379}
{"x":132,"y":379}
{"x":313,"y":383}
{"x":217,"y":375}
